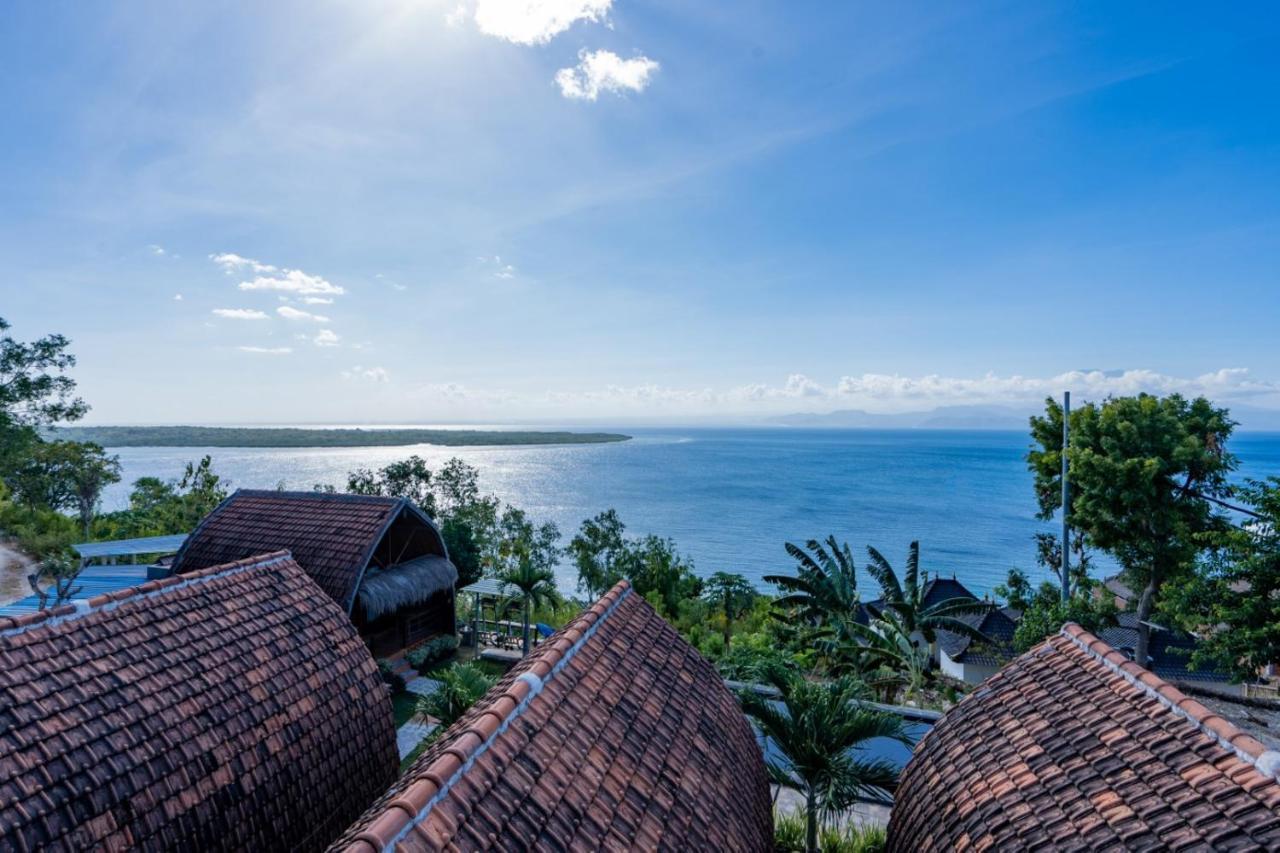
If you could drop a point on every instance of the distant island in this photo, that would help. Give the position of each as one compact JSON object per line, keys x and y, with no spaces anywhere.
{"x":198,"y":436}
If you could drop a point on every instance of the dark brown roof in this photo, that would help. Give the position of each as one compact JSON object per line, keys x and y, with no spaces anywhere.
{"x":614,"y":734}
{"x":994,"y":624}
{"x":231,"y":708}
{"x":332,"y":536}
{"x":1073,"y":746}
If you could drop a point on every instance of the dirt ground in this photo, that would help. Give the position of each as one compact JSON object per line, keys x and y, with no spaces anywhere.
{"x":13,"y":575}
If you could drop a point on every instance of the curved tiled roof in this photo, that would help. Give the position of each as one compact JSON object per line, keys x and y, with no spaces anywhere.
{"x":231,"y":708}
{"x":1073,"y":746}
{"x":332,"y":536}
{"x":613,"y":734}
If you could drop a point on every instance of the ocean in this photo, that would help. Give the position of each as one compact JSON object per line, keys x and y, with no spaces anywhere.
{"x":730,"y":498}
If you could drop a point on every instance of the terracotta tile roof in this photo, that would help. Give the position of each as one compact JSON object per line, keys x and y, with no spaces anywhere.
{"x":614,"y":734}
{"x":231,"y":708}
{"x":1074,"y":747}
{"x":331,"y":536}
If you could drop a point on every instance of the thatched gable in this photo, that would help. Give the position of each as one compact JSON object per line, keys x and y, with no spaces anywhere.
{"x":387,"y":590}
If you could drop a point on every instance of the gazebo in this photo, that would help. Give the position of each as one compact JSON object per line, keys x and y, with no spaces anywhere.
{"x":381,"y":559}
{"x":496,"y":632}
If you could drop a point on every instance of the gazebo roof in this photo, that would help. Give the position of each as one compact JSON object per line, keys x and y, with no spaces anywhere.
{"x":332,"y":536}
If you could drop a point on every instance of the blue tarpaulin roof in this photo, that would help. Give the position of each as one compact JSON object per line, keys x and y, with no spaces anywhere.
{"x":131,"y":547}
{"x":94,"y":580}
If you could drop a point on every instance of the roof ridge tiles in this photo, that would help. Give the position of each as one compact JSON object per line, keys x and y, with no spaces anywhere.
{"x":416,"y":801}
{"x":1243,"y":745}
{"x":81,"y":607}
{"x":327,"y":496}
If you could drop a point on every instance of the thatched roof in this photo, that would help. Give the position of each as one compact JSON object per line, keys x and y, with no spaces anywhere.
{"x":385,"y":591}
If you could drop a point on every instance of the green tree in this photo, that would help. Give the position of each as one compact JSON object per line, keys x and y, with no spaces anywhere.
{"x":1233,"y":602}
{"x":529,"y":555}
{"x":906,"y":600}
{"x":1144,"y":474}
{"x":66,"y":475}
{"x":599,"y":551}
{"x":35,"y":392}
{"x":407,"y":478}
{"x":461,"y":686}
{"x":818,"y":731}
{"x":160,"y":507}
{"x":660,"y":573}
{"x":732,"y":595}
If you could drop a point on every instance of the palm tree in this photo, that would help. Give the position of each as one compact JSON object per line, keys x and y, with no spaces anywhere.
{"x":461,"y":686}
{"x":732,"y":594}
{"x":888,"y":642}
{"x":817,"y":731}
{"x":906,"y":600}
{"x":531,"y":585}
{"x":825,"y":589}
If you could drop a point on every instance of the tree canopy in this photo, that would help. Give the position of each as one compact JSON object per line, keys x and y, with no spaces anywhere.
{"x":1144,"y":471}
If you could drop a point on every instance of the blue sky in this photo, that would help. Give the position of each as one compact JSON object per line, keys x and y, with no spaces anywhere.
{"x":414,"y":211}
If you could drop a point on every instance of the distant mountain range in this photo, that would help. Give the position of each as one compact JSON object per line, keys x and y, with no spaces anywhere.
{"x":979,"y":417}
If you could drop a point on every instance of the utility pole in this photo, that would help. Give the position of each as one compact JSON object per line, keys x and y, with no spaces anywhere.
{"x":1066,"y":498}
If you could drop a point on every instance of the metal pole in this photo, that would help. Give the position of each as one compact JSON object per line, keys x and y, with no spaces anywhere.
{"x":1066,"y":498}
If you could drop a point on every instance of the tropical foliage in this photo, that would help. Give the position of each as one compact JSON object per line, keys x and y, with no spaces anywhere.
{"x":907,"y":601}
{"x":1233,"y":602}
{"x":604,"y":555}
{"x":817,"y":733}
{"x":461,"y":686}
{"x":732,"y":596}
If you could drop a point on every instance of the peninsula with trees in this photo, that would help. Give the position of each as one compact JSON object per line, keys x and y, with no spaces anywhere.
{"x":206,"y":436}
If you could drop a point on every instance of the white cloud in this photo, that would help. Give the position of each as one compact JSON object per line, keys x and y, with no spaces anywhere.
{"x":371,"y":374}
{"x":158,"y":251}
{"x":232,"y":263}
{"x":457,"y":16}
{"x":316,"y":300}
{"x":293,"y":281}
{"x":604,"y":71}
{"x":267,"y":350}
{"x":530,"y":21}
{"x":291,"y":313}
{"x":326,"y":338}
{"x":177,"y":297}
{"x":240,"y":313}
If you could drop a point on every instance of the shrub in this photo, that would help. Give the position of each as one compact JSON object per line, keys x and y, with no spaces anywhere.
{"x":431,"y":652}
{"x":788,"y":836}
{"x":461,"y":684}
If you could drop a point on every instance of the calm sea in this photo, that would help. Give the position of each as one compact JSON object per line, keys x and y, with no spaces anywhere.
{"x":730,"y":498}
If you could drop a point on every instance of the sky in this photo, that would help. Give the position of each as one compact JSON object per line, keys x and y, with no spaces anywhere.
{"x":406,"y":211}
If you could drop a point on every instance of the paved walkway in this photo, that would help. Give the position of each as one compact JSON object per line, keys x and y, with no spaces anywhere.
{"x":422,"y":686}
{"x":411,"y":734}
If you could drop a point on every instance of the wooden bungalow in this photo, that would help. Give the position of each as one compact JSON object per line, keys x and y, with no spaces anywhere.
{"x":381,"y":559}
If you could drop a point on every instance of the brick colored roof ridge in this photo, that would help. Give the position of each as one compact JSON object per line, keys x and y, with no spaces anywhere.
{"x":327,"y":496}
{"x":1246,"y":747}
{"x":416,"y":801}
{"x":81,"y":607}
